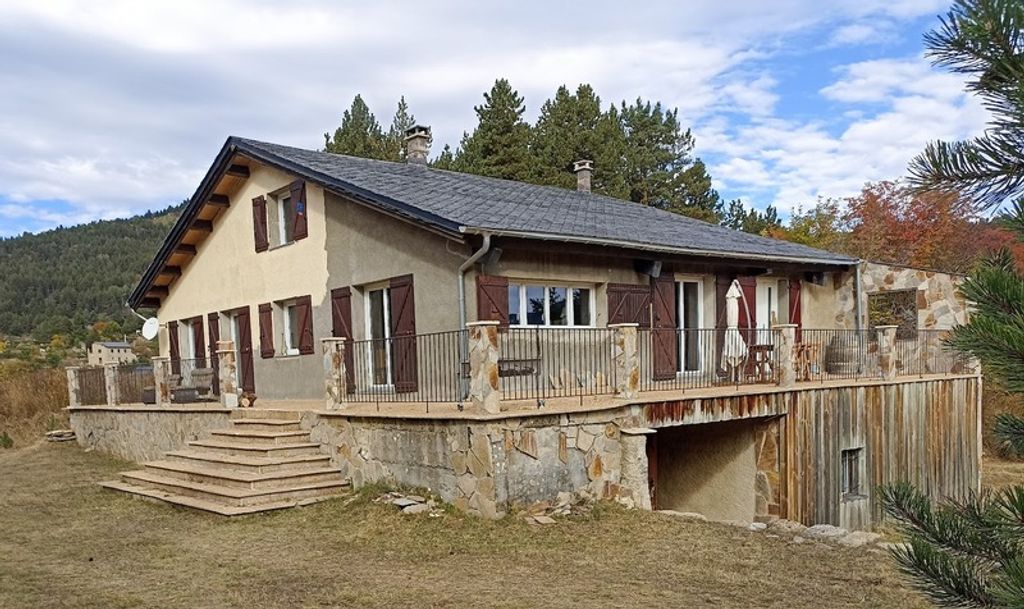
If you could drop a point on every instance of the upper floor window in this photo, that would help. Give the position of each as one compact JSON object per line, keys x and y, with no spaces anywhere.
{"x":550,"y":305}
{"x":281,"y":214}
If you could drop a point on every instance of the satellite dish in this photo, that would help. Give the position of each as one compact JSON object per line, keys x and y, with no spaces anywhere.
{"x":150,"y":328}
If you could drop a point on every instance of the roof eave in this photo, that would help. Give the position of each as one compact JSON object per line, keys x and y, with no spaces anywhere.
{"x":838,"y":261}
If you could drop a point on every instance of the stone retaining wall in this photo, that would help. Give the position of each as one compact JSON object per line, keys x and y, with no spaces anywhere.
{"x":143,"y":434}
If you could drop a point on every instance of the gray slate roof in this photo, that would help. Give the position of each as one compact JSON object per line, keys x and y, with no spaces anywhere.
{"x":469,"y":203}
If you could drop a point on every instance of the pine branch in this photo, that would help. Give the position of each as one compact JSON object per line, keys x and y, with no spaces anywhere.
{"x":949,"y":581}
{"x":1009,"y":430}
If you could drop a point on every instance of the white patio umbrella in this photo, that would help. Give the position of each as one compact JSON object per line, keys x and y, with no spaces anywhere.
{"x":734,"y":351}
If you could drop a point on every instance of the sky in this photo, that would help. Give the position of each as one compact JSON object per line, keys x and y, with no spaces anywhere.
{"x":110,"y":108}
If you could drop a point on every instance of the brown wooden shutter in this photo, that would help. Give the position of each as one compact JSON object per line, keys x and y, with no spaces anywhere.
{"x":259,"y":223}
{"x":266,"y":330}
{"x":198,"y":341}
{"x":213,"y":332}
{"x":300,"y":226}
{"x":629,"y":303}
{"x":246,"y":373}
{"x":172,"y":342}
{"x":341,"y":327}
{"x":748,"y":309}
{"x":795,"y":306}
{"x":664,"y":342}
{"x":492,"y":298}
{"x":305,"y":305}
{"x":403,"y":334}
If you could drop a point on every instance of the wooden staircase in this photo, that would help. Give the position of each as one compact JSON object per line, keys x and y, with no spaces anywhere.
{"x":264,"y":461}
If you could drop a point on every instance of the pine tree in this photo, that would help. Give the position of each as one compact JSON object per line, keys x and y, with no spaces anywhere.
{"x":737,"y":217}
{"x":659,"y":167}
{"x":572,"y":127}
{"x":971,"y":553}
{"x":445,"y":160}
{"x":394,"y":142}
{"x":359,"y":134}
{"x":499,"y":147}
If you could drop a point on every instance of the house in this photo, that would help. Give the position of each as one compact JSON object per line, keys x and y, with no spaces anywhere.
{"x":500,"y":342}
{"x":101,"y":353}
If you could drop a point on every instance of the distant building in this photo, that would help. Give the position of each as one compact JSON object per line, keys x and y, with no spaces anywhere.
{"x":110,"y":353}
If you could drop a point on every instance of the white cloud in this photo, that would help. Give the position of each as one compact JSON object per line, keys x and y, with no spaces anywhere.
{"x":118,"y":106}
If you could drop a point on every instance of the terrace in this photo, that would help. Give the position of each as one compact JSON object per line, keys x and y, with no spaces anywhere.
{"x":493,"y":370}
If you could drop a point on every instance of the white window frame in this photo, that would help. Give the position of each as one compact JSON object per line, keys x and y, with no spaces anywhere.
{"x":235,"y":338}
{"x":766,"y":291}
{"x":858,"y":492}
{"x":282,"y":228}
{"x":680,"y":280}
{"x":190,"y":337}
{"x":386,"y":306}
{"x":569,"y":303}
{"x":285,"y":307}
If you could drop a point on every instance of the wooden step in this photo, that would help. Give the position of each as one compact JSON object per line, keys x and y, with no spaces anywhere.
{"x":265,"y":425}
{"x":199,"y":472}
{"x":148,"y":492}
{"x":274,"y":450}
{"x":243,"y":463}
{"x":232,"y":496}
{"x":261,"y":438}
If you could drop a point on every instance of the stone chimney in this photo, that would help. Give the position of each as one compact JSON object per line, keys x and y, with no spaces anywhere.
{"x":417,"y":144}
{"x":584,"y":169}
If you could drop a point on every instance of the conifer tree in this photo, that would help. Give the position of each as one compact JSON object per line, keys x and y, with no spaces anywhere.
{"x":970,"y":553}
{"x":445,"y":160}
{"x":499,"y":146}
{"x":571,"y":127}
{"x":359,"y":134}
{"x":395,"y":140}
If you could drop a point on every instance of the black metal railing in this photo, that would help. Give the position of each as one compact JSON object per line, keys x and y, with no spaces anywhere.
{"x":836,"y":354}
{"x":694,"y":358}
{"x":421,"y":368}
{"x":536,"y":363}
{"x":92,"y":386}
{"x":926,"y":353}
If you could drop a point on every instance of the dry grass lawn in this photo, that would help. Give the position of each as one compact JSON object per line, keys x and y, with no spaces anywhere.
{"x":997,"y":473}
{"x":67,"y":543}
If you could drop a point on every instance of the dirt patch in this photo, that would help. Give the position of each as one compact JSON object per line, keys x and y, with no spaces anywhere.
{"x":68,"y":543}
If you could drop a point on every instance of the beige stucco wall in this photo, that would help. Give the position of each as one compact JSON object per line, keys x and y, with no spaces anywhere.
{"x":366,"y":247}
{"x":227,"y":272}
{"x":709,"y":469}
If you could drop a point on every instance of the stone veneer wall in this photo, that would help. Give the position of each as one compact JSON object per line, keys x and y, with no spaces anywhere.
{"x":939,"y":302}
{"x":481,"y":467}
{"x":143,"y":434}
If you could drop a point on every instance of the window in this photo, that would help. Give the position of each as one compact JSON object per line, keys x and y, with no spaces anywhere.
{"x":851,"y":466}
{"x":767,"y":304}
{"x":190,"y":337}
{"x":539,"y":305}
{"x":689,"y":295}
{"x":292,"y":327}
{"x":236,"y":338}
{"x":281,"y":214}
{"x":378,"y":329}
{"x":896,"y":308}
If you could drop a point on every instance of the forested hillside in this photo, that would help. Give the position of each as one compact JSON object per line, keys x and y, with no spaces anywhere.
{"x":62,"y":281}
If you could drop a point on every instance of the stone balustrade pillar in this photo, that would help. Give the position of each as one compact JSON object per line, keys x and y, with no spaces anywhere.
{"x":626,"y":359}
{"x":635,"y":475}
{"x":226,"y":373}
{"x":887,"y":350}
{"x":111,"y":385}
{"x":484,"y":352}
{"x":162,"y":381}
{"x":335,"y":374}
{"x":786,"y":360}
{"x":74,"y":387}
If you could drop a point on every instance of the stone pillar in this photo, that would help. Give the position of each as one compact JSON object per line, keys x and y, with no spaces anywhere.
{"x":335,"y":381}
{"x":484,"y":384}
{"x":786,"y":361}
{"x":887,"y":350}
{"x":635,"y":475}
{"x":226,"y":369}
{"x":74,"y":388}
{"x":626,"y":359}
{"x":111,"y":385}
{"x":161,"y":381}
